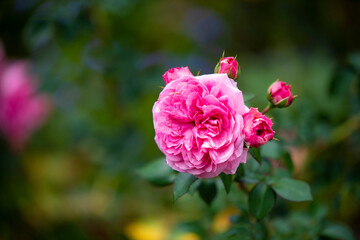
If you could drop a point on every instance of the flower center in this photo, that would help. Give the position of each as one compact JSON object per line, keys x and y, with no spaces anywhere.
{"x":209,"y":127}
{"x":259,"y":132}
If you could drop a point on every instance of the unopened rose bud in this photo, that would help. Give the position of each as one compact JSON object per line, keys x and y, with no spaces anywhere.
{"x":228,"y":65}
{"x":176,"y":73}
{"x":279,"y":94}
{"x":257,"y":128}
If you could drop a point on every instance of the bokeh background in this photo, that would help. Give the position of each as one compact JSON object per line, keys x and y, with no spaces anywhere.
{"x":101,"y":61}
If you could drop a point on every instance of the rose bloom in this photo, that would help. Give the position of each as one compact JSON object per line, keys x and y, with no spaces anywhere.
{"x":198,"y":125}
{"x":21,"y":109}
{"x":257,"y":128}
{"x":175,"y":73}
{"x":280,"y":94}
{"x":229,"y":66}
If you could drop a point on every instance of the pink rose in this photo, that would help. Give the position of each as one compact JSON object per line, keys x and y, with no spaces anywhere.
{"x":257,"y":128}
{"x":21,"y":109}
{"x":229,"y":66}
{"x":198,"y":125}
{"x":279,"y":94}
{"x":176,"y":73}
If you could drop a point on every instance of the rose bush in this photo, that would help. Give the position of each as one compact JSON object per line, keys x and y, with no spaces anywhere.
{"x":198,"y":124}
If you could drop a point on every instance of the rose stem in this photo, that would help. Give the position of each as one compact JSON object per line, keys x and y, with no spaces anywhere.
{"x":268,"y":107}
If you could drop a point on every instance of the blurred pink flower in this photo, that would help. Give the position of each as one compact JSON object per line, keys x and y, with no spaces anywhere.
{"x":198,"y":125}
{"x":21,"y":110}
{"x":257,"y":128}
{"x":175,"y":73}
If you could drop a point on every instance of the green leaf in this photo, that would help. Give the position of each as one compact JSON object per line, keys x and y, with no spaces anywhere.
{"x":261,"y":200}
{"x":272,"y":149}
{"x":255,"y":153}
{"x":207,"y":191}
{"x":182,"y":184}
{"x":251,"y":165}
{"x":248,"y":172}
{"x":240,"y":172}
{"x":194,"y":187}
{"x":265,"y":167}
{"x":238,"y":231}
{"x":292,"y":190}
{"x":288,"y":162}
{"x":277,"y":174}
{"x":338,"y":231}
{"x":227,"y":181}
{"x":157,"y":173}
{"x":248,"y":96}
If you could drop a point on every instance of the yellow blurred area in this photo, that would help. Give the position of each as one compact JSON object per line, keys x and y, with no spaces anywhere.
{"x":155,"y":230}
{"x":147,"y":230}
{"x":221,"y":221}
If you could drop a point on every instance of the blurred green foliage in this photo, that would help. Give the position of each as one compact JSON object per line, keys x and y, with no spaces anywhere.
{"x":102,"y":61}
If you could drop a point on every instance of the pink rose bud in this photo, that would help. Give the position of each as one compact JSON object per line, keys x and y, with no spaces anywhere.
{"x":279,"y":94}
{"x":176,"y":73}
{"x":229,"y":66}
{"x":257,"y":128}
